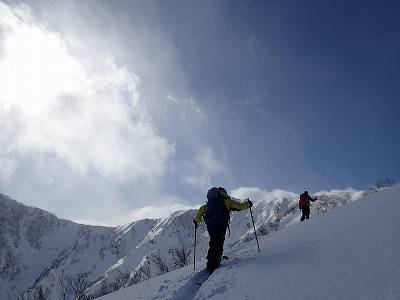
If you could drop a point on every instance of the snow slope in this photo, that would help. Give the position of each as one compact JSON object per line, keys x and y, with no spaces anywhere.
{"x":349,"y":253}
{"x":103,"y":254}
{"x":111,"y":258}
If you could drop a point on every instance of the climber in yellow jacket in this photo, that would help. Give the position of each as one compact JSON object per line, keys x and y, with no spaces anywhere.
{"x":216,"y":217}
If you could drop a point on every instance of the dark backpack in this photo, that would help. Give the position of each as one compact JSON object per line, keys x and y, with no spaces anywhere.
{"x":216,"y":212}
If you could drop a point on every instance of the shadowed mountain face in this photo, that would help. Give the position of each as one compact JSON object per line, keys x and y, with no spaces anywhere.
{"x":40,"y":251}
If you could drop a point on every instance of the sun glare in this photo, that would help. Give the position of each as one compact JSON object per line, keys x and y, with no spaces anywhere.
{"x":83,"y":111}
{"x":35,"y":68}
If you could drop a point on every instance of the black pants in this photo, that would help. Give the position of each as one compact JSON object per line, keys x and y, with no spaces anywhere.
{"x":305,"y":213}
{"x":216,"y":245}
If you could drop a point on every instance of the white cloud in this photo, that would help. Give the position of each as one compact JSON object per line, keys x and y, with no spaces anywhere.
{"x":7,"y":168}
{"x":85,"y":112}
{"x":146,"y":212}
{"x":188,"y":103}
{"x":205,"y":166}
{"x":253,"y":193}
{"x":354,"y":194}
{"x":91,"y":222}
{"x":154,"y":212}
{"x":257,"y":194}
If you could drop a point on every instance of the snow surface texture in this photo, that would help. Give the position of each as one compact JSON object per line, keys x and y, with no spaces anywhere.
{"x":349,"y":253}
{"x":37,"y":248}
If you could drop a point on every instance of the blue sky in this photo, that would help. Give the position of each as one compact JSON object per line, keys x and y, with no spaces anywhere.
{"x":122,"y":105}
{"x":313,"y":87}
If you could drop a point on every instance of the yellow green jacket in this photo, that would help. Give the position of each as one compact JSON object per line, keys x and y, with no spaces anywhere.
{"x":230,"y":204}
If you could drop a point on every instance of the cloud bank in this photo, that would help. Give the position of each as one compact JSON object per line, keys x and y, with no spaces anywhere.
{"x":257,"y":194}
{"x":146,"y":212}
{"x":86,"y":114}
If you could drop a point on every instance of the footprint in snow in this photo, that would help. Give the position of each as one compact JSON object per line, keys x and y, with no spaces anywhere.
{"x":162,"y":288}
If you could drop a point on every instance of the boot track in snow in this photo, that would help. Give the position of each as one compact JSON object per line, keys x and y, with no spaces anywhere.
{"x":192,"y":286}
{"x":190,"y":289}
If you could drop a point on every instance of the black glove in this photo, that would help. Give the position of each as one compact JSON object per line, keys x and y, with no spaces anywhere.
{"x":250,"y":203}
{"x":195,"y":223}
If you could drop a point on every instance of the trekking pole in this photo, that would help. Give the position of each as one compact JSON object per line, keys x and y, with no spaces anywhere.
{"x":194,"y":247}
{"x":255,"y":232}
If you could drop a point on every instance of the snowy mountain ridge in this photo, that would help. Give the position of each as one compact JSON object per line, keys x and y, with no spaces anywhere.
{"x":68,"y":260}
{"x":349,"y":253}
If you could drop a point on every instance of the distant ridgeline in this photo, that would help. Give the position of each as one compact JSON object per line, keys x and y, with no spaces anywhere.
{"x":44,"y":256}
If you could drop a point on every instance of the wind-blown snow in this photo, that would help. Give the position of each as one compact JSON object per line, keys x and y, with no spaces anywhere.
{"x":349,"y":253}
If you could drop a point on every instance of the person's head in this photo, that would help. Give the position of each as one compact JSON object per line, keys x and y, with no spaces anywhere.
{"x":216,"y":192}
{"x":305,"y":192}
{"x":222,"y":190}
